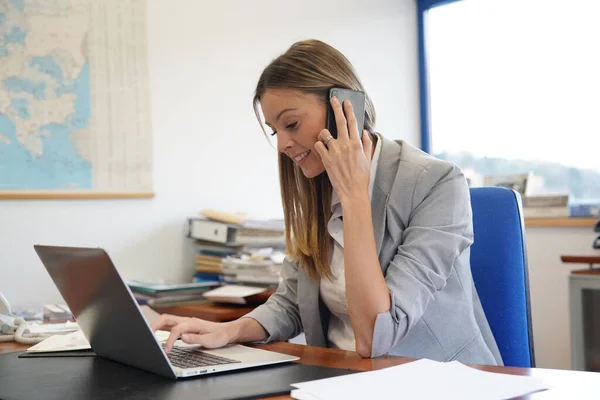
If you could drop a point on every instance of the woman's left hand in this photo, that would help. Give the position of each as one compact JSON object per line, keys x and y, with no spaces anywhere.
{"x":347,"y":159}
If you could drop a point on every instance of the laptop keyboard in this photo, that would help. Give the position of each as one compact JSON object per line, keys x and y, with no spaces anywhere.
{"x":192,"y":358}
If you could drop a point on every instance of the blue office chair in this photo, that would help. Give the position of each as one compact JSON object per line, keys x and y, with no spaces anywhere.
{"x":499,"y":268}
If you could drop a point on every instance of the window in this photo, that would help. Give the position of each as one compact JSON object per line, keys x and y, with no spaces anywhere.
{"x":514,"y":88}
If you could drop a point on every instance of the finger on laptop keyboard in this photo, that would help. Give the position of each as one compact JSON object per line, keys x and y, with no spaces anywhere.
{"x":176,"y":331}
{"x":167,"y":321}
{"x":212,"y":340}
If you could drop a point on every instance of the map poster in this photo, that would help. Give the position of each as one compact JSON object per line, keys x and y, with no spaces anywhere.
{"x":74,"y":99}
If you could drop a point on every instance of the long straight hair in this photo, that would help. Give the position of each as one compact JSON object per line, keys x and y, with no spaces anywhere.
{"x":314,"y":67}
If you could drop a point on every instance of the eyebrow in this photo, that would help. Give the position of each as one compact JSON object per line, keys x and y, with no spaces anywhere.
{"x":281,"y":113}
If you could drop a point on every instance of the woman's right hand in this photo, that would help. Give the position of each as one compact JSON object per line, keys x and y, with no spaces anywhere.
{"x":211,"y":335}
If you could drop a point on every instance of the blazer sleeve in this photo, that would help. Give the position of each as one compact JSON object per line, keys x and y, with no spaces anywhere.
{"x":280,"y":315}
{"x":439,"y":229}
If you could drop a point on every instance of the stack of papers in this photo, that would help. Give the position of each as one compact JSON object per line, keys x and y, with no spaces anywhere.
{"x":158,"y":294}
{"x":423,"y":379}
{"x":161,"y":288}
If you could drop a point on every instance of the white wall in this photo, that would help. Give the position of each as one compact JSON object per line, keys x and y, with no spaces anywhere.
{"x":549,"y":280}
{"x":209,"y":152}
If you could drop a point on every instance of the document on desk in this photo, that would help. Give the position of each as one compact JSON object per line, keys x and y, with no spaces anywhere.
{"x":235,"y":294}
{"x":422,"y":379}
{"x":71,"y":341}
{"x":74,"y":341}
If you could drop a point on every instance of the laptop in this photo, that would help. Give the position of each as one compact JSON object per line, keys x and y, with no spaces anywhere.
{"x":111,"y":320}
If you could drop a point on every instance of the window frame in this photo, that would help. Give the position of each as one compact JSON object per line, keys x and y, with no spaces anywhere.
{"x":423,"y":7}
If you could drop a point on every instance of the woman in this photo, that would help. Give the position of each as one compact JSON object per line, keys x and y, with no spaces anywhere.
{"x":377,"y":232}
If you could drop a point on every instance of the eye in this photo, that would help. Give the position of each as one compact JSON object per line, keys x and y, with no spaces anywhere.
{"x":274,"y":133}
{"x":292,"y":126}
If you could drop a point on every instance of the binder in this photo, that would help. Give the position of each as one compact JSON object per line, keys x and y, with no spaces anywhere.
{"x":213,"y":231}
{"x":233,"y":235}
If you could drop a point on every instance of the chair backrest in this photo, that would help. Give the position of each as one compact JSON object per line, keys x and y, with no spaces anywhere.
{"x":499,"y":268}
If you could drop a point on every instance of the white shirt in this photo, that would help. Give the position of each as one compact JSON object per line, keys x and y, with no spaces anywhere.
{"x":333,"y":292}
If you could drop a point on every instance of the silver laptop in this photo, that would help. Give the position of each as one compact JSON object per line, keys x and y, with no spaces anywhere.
{"x":113,"y":323}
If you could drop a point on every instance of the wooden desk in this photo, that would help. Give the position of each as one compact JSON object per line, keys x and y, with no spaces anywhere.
{"x":208,"y":311}
{"x":216,"y":312}
{"x":561,"y":222}
{"x":591,"y":260}
{"x":565,"y":384}
{"x":7,"y":347}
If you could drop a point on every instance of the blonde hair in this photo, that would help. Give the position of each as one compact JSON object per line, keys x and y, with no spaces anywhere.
{"x":310,"y":66}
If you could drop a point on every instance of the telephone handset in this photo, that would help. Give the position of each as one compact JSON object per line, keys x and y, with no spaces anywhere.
{"x":4,"y":306}
{"x":13,"y":328}
{"x":8,"y":322}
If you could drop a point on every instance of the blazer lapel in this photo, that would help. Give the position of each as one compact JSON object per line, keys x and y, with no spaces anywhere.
{"x":378,"y":206}
{"x":312,"y":316}
{"x":387,"y":169}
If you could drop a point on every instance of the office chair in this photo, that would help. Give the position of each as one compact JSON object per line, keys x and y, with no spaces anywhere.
{"x":499,"y":268}
{"x":596,"y":244}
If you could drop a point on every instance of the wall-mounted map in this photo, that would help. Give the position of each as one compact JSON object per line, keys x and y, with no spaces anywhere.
{"x":74,"y":99}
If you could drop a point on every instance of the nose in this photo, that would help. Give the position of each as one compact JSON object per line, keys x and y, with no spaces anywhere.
{"x":284,"y":142}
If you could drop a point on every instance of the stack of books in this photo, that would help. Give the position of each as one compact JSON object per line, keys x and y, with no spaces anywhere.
{"x":56,"y":313}
{"x":546,"y":206}
{"x":588,"y":208}
{"x":209,"y":260}
{"x":164,"y":295}
{"x":225,"y":240}
{"x":261,"y":268}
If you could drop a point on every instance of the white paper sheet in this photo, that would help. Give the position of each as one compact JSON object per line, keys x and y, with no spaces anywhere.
{"x":232,"y":293}
{"x":422,"y":379}
{"x":71,"y":341}
{"x":74,"y":341}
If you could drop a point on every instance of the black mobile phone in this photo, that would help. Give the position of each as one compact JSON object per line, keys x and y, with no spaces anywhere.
{"x":357,"y":99}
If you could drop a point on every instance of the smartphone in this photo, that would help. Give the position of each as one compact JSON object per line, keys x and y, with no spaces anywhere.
{"x":357,"y":99}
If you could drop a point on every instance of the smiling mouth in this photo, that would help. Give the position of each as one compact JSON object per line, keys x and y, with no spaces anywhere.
{"x":300,"y":158}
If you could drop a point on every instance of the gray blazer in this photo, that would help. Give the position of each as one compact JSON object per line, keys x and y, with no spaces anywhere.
{"x":423,"y":229}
